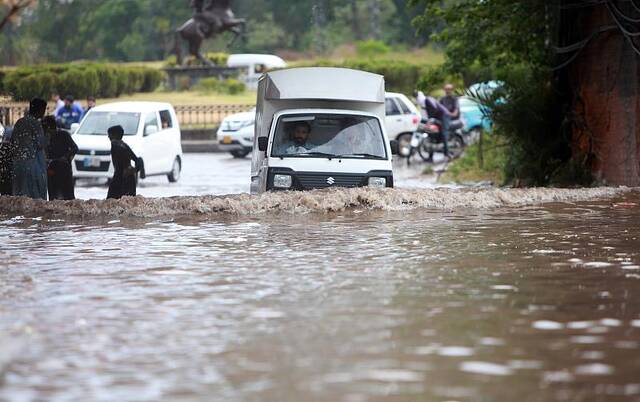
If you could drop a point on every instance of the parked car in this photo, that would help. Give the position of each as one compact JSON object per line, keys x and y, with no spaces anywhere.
{"x":151,"y":129}
{"x":1,"y":132}
{"x":235,"y":134}
{"x":402,"y":120}
{"x":320,"y":127}
{"x":473,"y":116}
{"x":254,"y":65}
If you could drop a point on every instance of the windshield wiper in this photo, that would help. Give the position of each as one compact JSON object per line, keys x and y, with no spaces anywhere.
{"x":365,"y":155}
{"x":326,"y":155}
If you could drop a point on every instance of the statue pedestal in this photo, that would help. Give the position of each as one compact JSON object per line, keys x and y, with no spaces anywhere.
{"x":181,"y":78}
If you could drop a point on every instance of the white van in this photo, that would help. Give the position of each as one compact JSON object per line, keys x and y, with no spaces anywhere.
{"x":254,"y":65}
{"x":320,"y":127}
{"x":151,"y":129}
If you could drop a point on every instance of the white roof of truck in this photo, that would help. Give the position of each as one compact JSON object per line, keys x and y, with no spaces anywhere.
{"x":324,"y":83}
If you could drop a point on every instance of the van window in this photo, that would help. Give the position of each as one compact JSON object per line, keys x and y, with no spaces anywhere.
{"x":165,"y":120}
{"x":151,"y":120}
{"x":390,"y":107}
{"x":322,"y":135}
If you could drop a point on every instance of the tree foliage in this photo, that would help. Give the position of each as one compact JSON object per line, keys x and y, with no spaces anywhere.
{"x":132,"y":30}
{"x":509,"y":41}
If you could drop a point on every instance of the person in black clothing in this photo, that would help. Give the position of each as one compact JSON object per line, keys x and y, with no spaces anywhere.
{"x":125,"y":177}
{"x":6,"y":168}
{"x":60,"y":153}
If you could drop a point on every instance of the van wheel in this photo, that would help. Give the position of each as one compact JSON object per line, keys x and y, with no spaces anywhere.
{"x":239,"y":154}
{"x":174,"y":175}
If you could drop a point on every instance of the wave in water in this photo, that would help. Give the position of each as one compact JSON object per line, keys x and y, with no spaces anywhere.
{"x":331,"y":200}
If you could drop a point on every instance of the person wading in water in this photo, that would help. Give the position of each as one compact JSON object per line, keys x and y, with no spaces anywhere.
{"x":124,"y":178}
{"x":29,"y":176}
{"x":60,"y":153}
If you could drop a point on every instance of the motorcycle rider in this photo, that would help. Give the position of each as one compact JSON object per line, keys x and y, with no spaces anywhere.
{"x":436,"y":110}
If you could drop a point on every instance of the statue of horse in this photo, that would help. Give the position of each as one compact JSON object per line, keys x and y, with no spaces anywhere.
{"x":210,"y":18}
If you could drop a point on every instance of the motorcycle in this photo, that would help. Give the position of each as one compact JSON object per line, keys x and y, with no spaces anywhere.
{"x":429,"y":139}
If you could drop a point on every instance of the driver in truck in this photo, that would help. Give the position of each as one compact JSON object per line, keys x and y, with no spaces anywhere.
{"x":299,"y":139}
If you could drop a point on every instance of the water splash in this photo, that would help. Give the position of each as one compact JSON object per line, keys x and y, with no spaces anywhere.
{"x":319,"y":201}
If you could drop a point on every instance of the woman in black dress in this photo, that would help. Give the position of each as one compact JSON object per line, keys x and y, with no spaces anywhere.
{"x":60,"y":153}
{"x":125,"y":176}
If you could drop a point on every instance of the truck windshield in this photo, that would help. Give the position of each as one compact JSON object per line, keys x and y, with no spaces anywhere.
{"x":97,"y":123}
{"x":329,"y":135}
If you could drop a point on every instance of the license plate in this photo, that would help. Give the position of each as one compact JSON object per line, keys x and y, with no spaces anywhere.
{"x":226,"y":139}
{"x":91,"y":162}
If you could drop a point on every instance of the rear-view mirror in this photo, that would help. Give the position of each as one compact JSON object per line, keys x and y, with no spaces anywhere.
{"x":263,"y":142}
{"x":74,"y":128}
{"x":395,"y":147}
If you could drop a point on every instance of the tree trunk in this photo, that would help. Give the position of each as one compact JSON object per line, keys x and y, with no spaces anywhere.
{"x":374,"y":19}
{"x":355,"y":20}
{"x":605,"y":80}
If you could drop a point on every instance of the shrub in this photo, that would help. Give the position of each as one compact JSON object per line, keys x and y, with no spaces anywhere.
{"x":152,"y":79}
{"x":79,"y":80}
{"x":225,"y":87}
{"x":219,"y":59}
{"x":35,"y":85}
{"x":371,"y":48}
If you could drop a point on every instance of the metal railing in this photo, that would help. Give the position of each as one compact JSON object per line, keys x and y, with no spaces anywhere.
{"x":189,"y":116}
{"x":206,"y":116}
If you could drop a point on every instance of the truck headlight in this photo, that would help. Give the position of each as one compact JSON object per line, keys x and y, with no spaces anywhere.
{"x":377,"y":182}
{"x":282,"y":181}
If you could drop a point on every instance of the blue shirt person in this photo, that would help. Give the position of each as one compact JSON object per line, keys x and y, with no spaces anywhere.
{"x":70,"y":113}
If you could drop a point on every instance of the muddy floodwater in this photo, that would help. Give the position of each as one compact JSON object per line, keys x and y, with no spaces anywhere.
{"x":510,"y":295}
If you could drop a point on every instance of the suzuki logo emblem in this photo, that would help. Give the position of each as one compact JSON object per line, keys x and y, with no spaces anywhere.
{"x":331,"y":181}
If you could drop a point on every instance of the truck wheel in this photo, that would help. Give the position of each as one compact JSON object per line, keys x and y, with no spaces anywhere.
{"x":174,"y":175}
{"x":239,"y":154}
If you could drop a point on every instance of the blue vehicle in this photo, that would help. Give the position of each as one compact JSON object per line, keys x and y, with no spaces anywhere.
{"x":472,"y":115}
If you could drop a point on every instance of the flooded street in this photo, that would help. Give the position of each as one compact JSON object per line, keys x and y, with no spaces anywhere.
{"x":220,"y":173}
{"x":348,"y":300}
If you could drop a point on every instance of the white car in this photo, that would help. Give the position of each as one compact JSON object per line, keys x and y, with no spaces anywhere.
{"x":1,"y":132}
{"x":151,"y":129}
{"x":235,"y":134}
{"x":402,"y":117}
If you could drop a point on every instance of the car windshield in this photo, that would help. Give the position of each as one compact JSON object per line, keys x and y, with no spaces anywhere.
{"x":329,"y":135}
{"x":97,"y":123}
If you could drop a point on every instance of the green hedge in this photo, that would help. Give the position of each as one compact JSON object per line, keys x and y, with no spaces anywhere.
{"x":79,"y":80}
{"x":217,"y":58}
{"x":226,"y":87}
{"x":400,"y":76}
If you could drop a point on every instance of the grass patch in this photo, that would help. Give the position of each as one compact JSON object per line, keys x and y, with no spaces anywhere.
{"x":469,"y":168}
{"x":187,"y":98}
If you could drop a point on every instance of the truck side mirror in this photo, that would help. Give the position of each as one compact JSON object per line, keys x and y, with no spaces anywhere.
{"x":395,"y":147}
{"x":263,"y":143}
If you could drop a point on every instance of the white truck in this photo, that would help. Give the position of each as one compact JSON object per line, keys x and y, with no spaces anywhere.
{"x":320,"y":127}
